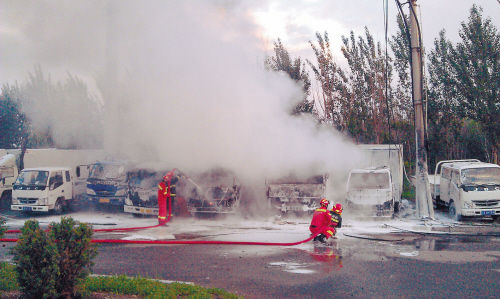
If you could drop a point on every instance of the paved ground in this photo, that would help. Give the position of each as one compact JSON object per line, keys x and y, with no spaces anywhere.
{"x":369,"y":258}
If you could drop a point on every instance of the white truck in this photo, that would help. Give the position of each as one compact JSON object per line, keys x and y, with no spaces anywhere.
{"x":376,"y":186}
{"x":467,"y":187}
{"x":43,"y":189}
{"x":43,"y":158}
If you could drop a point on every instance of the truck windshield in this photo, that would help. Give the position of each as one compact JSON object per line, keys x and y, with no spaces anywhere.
{"x":33,"y":178}
{"x":144,"y":180}
{"x":481,"y":176}
{"x":6,"y":172}
{"x":369,"y":181}
{"x":106,"y":171}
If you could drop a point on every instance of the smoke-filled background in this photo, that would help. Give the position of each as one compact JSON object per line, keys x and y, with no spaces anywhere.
{"x":179,"y":82}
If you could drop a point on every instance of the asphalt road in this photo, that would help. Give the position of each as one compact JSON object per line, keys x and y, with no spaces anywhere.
{"x":349,"y":268}
{"x":403,"y":265}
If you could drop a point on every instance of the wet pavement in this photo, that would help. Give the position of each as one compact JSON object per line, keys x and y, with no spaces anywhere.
{"x":383,"y":258}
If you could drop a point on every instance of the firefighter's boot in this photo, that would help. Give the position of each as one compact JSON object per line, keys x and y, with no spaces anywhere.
{"x":322,"y":238}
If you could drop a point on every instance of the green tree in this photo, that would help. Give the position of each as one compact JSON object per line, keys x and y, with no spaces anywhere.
{"x":332,"y":81}
{"x":464,"y":91}
{"x":367,"y":114}
{"x":476,"y":65}
{"x":13,"y":123}
{"x":296,"y":70}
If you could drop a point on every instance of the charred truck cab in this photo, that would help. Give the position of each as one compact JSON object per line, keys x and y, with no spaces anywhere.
{"x":220,"y":193}
{"x":217,"y":199}
{"x":142,"y":192}
{"x":107,"y":183}
{"x":297,"y":195}
{"x":372,"y":190}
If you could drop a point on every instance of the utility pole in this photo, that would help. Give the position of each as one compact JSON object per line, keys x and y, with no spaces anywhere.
{"x":425,"y":207}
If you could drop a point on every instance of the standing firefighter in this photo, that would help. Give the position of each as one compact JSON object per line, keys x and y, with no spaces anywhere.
{"x":321,"y":222}
{"x":166,"y":195}
{"x":162,"y":200}
{"x":336,"y":213}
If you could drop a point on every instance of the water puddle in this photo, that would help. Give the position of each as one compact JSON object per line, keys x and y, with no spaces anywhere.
{"x":293,"y":267}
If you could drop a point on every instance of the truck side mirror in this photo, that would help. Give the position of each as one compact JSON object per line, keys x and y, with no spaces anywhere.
{"x":3,"y":181}
{"x":78,"y":171}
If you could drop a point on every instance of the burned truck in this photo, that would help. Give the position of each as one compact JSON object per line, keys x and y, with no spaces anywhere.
{"x":213,"y":195}
{"x":297,"y":195}
{"x":216,"y":191}
{"x":142,"y":191}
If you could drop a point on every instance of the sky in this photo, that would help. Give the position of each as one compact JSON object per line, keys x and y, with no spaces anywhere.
{"x":295,"y":22}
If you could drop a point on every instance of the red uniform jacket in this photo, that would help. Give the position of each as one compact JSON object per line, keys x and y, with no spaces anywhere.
{"x":321,"y":222}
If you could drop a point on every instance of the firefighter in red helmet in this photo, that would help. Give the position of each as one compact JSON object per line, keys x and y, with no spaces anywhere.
{"x":321,"y":222}
{"x":336,"y":213}
{"x":162,"y":200}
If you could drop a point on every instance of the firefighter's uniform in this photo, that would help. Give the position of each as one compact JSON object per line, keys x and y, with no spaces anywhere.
{"x":162,"y":202}
{"x":321,"y":223}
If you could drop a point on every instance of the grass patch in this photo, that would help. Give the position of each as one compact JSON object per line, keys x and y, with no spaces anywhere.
{"x":140,"y":286}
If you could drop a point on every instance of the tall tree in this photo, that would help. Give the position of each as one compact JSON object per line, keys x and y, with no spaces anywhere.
{"x":464,"y":82}
{"x":13,"y":123}
{"x":366,"y":113}
{"x":332,"y":81}
{"x":296,"y":70}
{"x":476,"y":65}
{"x":444,"y":123}
{"x":402,"y":112}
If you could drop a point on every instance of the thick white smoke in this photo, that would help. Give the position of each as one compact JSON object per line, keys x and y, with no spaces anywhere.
{"x":184,"y":83}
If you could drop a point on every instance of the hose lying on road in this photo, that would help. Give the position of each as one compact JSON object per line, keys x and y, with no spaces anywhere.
{"x":192,"y":242}
{"x":370,"y":238}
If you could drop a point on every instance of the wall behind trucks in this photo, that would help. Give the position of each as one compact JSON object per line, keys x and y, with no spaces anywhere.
{"x":391,"y":155}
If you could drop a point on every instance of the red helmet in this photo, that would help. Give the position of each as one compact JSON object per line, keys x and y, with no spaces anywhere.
{"x":337,"y":209}
{"x":324,"y":202}
{"x":166,"y":177}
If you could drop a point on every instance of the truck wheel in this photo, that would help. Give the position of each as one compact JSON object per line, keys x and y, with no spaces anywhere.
{"x":453,"y":212}
{"x":5,"y":200}
{"x":396,"y":207}
{"x":58,"y":207}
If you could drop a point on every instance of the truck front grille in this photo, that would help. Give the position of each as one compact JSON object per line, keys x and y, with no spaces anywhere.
{"x":105,"y":193}
{"x":27,"y":200}
{"x":486,"y":203}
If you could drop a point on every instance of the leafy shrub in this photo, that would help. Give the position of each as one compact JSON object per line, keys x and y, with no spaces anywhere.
{"x":50,"y":265}
{"x":35,"y":256}
{"x":75,"y":253}
{"x":3,"y":227}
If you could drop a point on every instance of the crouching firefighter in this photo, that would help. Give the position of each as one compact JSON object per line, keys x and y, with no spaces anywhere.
{"x":321,"y":222}
{"x":336,"y":214}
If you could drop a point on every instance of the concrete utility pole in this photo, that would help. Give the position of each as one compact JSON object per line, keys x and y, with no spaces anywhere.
{"x":425,"y":207}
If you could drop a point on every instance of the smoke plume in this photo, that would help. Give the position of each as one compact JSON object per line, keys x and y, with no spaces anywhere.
{"x":179,"y":82}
